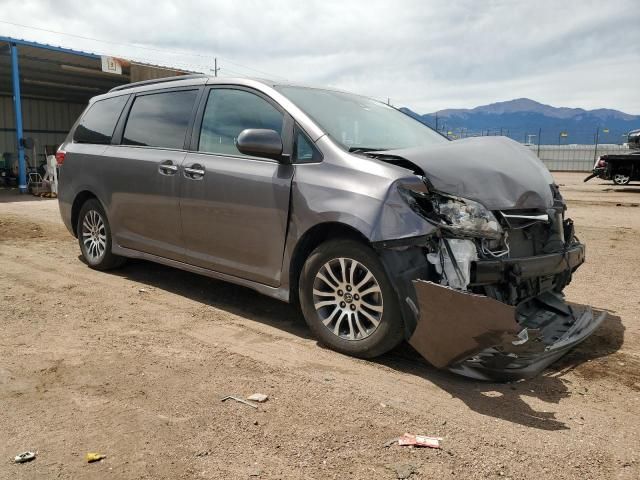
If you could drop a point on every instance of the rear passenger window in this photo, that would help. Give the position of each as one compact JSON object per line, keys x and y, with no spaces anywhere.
{"x":98,"y":123}
{"x":160,"y":119}
{"x":229,"y":112}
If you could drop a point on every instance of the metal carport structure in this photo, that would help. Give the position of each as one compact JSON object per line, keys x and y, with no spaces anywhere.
{"x":43,"y":89}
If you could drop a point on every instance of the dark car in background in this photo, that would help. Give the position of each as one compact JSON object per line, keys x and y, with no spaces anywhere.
{"x":379,"y":227}
{"x":621,"y":168}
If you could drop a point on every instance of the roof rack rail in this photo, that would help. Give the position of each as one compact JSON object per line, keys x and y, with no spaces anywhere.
{"x":158,"y":80}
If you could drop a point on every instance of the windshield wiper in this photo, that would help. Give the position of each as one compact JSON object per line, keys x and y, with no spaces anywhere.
{"x":366,"y":149}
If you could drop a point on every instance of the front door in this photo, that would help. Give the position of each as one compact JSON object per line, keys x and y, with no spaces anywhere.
{"x":235,"y":207}
{"x":143,"y":174}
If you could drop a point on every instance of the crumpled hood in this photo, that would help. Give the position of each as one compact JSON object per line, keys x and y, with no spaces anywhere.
{"x":495,"y":171}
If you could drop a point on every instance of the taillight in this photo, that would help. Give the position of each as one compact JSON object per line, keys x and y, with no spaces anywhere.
{"x":602,"y":163}
{"x":60,"y":154}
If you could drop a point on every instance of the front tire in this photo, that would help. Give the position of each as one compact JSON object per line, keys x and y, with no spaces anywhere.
{"x":94,"y":237}
{"x":348,"y":301}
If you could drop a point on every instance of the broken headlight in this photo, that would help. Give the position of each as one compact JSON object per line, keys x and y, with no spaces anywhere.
{"x":466,"y":217}
{"x":460,"y":216}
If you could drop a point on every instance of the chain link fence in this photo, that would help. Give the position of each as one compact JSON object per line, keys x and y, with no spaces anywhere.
{"x":574,"y":158}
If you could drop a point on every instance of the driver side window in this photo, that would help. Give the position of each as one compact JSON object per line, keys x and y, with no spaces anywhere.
{"x":228,"y":112}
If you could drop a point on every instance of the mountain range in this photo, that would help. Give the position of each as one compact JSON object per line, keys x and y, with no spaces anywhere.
{"x":524,"y":119}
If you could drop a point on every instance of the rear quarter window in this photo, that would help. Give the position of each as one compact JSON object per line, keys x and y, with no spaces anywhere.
{"x":98,"y":124}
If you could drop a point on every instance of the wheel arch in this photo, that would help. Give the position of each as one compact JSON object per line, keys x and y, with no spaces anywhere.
{"x":309,"y":241}
{"x":80,"y":199}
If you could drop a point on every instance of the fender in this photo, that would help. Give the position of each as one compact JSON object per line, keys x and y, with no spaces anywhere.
{"x":378,"y":212}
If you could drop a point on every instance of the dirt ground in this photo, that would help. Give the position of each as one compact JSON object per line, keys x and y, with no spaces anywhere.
{"x":133,"y":364}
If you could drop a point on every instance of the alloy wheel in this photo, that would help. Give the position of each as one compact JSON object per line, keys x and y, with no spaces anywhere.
{"x":94,"y":235}
{"x":621,"y":179}
{"x":348,"y":298}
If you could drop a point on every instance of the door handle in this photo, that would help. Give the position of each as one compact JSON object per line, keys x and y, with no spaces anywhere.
{"x":167,"y":168}
{"x":194,"y":172}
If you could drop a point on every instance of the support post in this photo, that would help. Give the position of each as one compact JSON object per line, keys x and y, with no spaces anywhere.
{"x":17,"y":108}
{"x":539,"y":137}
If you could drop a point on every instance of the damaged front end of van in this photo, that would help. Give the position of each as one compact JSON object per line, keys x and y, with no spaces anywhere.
{"x":482,"y":293}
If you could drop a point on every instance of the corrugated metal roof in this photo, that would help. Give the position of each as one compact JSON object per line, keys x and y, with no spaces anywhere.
{"x":49,"y":71}
{"x":46,"y":46}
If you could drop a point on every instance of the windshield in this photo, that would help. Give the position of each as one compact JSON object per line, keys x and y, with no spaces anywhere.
{"x":359,"y":123}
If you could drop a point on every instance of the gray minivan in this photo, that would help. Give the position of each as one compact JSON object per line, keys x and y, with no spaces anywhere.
{"x":381,"y":229}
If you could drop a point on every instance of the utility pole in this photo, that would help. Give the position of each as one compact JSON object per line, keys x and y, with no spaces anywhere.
{"x":597,"y":137}
{"x":215,"y":67}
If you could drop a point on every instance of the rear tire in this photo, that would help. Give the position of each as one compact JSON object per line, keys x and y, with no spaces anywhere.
{"x":348,"y":301}
{"x":94,"y":237}
{"x":621,"y":179}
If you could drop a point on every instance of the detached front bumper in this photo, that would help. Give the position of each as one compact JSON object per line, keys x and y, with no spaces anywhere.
{"x":481,"y":337}
{"x":600,"y":172}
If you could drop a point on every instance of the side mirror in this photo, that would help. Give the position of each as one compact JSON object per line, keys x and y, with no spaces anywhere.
{"x":259,"y":142}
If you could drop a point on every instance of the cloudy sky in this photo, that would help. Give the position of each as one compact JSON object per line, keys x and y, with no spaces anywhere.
{"x":426,"y":55}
